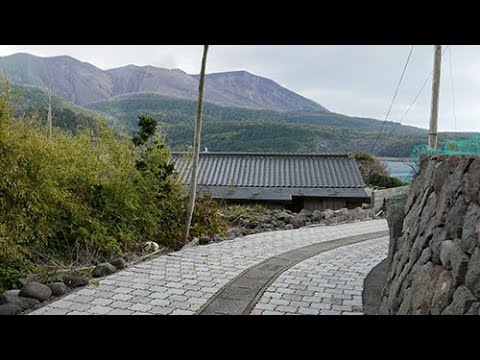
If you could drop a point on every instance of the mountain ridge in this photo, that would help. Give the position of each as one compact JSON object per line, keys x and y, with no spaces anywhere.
{"x":229,"y":128}
{"x":248,"y":119}
{"x":83,"y":83}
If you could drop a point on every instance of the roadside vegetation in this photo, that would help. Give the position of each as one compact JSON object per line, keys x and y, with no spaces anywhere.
{"x":375,"y":173}
{"x":86,"y":197}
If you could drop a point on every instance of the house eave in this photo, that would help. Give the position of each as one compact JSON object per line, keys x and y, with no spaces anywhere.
{"x":281,"y":193}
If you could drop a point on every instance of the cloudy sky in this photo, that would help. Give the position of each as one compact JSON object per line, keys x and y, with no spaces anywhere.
{"x":350,"y":79}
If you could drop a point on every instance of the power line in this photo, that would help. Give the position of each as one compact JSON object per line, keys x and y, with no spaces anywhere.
{"x":413,"y":103}
{"x":453,"y":89}
{"x":394,"y":97}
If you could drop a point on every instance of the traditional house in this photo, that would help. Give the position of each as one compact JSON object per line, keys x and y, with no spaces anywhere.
{"x":287,"y":181}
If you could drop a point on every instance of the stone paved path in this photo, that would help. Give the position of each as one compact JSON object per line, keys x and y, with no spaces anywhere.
{"x":240,"y":295}
{"x":328,"y":284}
{"x":181,"y":282}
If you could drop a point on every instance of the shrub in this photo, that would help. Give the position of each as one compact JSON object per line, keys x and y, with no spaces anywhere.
{"x":369,"y":164}
{"x":206,"y":219}
{"x":84,"y":198}
{"x":381,"y":181}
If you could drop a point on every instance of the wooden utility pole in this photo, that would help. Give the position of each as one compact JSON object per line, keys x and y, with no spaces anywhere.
{"x":196,"y":146}
{"x":49,"y":107}
{"x":49,"y":116}
{"x":433,"y":137}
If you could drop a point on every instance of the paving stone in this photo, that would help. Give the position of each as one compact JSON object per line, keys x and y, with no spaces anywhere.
{"x":140,"y":286}
{"x":83,"y":299}
{"x":211,"y":267}
{"x":100,"y":310}
{"x":120,"y":304}
{"x":76,"y":306}
{"x":87,"y":292}
{"x":161,"y":310}
{"x":159,"y":302}
{"x":351,"y":313}
{"x":285,"y":291}
{"x":62,"y":304}
{"x":300,"y":304}
{"x":140,"y":307}
{"x":123,"y":290}
{"x":120,"y":312}
{"x":295,"y":286}
{"x":71,"y":297}
{"x":78,"y":313}
{"x":175,"y":291}
{"x":352,"y":302}
{"x":176,"y":285}
{"x":279,"y":302}
{"x":344,"y":297}
{"x":104,"y":294}
{"x":340,"y":273}
{"x":159,"y":295}
{"x":122,"y":297}
{"x":269,"y":294}
{"x":287,"y":309}
{"x":192,"y":287}
{"x":305,"y":292}
{"x":101,"y":301}
{"x":308,"y":311}
{"x":209,"y":290}
{"x":191,"y":293}
{"x":195,"y":307}
{"x":322,"y":306}
{"x":140,"y":300}
{"x":267,"y":312}
{"x":179,"y":298}
{"x":180,"y":305}
{"x":330,"y":312}
{"x":182,"y":312}
{"x":140,"y":293}
{"x":266,"y":306}
{"x":196,"y":301}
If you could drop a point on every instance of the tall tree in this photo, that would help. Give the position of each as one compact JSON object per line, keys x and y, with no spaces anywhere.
{"x":196,"y":146}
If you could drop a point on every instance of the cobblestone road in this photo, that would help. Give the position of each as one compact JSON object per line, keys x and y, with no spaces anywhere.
{"x":327,"y":284}
{"x":180,"y":283}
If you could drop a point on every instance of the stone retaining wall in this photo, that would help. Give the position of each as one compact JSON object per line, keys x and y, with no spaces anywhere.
{"x":434,"y":255}
{"x":249,"y":222}
{"x":379,"y":196}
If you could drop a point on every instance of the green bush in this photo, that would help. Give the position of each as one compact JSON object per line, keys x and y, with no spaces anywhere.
{"x":377,"y":180}
{"x":206,"y":220}
{"x":368,"y":164}
{"x":84,"y":198}
{"x":361,"y":157}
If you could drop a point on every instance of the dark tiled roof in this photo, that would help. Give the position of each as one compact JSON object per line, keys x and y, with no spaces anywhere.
{"x":273,"y":170}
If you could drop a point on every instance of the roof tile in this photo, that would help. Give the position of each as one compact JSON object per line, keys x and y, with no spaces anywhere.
{"x":272,"y":170}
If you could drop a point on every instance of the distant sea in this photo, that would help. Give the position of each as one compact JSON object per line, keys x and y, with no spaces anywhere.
{"x":400,"y":169}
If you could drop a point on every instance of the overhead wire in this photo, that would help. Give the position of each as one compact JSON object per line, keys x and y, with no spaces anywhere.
{"x":394,"y":97}
{"x":453,"y":89}
{"x":412,"y":104}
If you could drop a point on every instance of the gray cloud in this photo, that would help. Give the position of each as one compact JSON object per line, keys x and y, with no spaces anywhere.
{"x":354,"y":80}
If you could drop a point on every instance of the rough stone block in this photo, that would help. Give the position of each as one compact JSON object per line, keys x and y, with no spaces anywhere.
{"x":462,"y":300}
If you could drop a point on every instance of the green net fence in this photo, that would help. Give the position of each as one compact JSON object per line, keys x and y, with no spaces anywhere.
{"x":469,"y":146}
{"x":450,"y":147}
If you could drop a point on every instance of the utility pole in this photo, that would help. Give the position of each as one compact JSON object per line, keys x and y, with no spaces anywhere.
{"x":49,"y":116}
{"x":49,"y":107}
{"x":196,"y":146}
{"x":433,"y":137}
